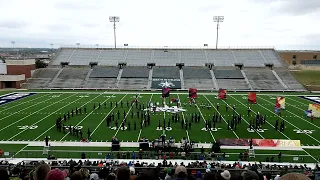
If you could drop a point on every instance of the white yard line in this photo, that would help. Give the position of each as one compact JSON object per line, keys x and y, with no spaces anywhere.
{"x":301,"y":102}
{"x":103,"y":119}
{"x":256,"y":114}
{"x":205,"y":121}
{"x":143,"y":121}
{"x":33,"y":113}
{"x":274,"y":127}
{"x":184,"y":120}
{"x":288,"y":121}
{"x":86,"y":117}
{"x":118,"y":128}
{"x":220,"y":114}
{"x":28,"y":108}
{"x":297,"y":115}
{"x":242,"y":118}
{"x":44,"y":118}
{"x":20,"y":103}
{"x":55,"y":125}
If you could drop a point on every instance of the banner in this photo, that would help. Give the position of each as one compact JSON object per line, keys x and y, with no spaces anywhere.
{"x":165,"y":92}
{"x":260,"y":142}
{"x":192,"y":93}
{"x":222,"y":94}
{"x":252,"y":97}
{"x":280,"y":102}
{"x":158,"y":83}
{"x":313,"y":110}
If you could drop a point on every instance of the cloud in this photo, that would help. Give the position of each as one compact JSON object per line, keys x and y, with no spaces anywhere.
{"x":280,"y":23}
{"x":12,"y":24}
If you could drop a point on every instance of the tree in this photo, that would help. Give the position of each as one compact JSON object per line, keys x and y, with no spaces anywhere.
{"x":40,"y":64}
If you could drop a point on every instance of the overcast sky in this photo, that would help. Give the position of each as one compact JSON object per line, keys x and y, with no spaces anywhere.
{"x":284,"y":24}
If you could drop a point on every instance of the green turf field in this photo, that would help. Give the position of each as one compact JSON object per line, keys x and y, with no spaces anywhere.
{"x":34,"y":117}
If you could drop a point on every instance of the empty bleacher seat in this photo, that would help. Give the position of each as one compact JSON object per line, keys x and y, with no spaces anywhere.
{"x":166,"y":72}
{"x":263,"y":79}
{"x":135,"y":72}
{"x":196,"y":73}
{"x":104,"y":72}
{"x":228,"y":74}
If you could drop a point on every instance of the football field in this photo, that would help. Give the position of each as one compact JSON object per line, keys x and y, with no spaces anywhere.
{"x":33,"y":117}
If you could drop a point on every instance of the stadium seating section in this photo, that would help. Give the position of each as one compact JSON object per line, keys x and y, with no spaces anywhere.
{"x":139,"y":68}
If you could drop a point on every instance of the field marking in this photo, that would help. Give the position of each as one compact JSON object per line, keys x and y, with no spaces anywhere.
{"x":33,"y":113}
{"x":21,"y":102}
{"x":28,"y":108}
{"x":43,"y":118}
{"x":118,"y":128}
{"x":274,"y":127}
{"x":256,"y":114}
{"x":143,"y":121}
{"x":103,"y":151}
{"x":288,"y":121}
{"x":243,"y":119}
{"x":55,"y":125}
{"x":181,"y":93}
{"x":103,"y":119}
{"x":219,"y":114}
{"x":297,"y":115}
{"x":214,"y":139}
{"x":86,"y":117}
{"x":184,"y":120}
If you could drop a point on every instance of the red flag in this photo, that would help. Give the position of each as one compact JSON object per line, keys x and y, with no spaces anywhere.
{"x":252,"y":97}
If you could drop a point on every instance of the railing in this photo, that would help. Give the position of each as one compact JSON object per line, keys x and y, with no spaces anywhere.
{"x":288,"y":158}
{"x":164,"y":47}
{"x":95,"y":169}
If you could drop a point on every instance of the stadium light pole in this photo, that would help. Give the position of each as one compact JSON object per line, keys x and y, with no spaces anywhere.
{"x":13,"y":42}
{"x":218,"y":20}
{"x":114,"y":19}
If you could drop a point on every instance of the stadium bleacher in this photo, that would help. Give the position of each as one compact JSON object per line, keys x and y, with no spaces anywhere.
{"x":197,"y":77}
{"x":104,"y":72}
{"x":135,"y":74}
{"x":263,"y":79}
{"x":70,"y":77}
{"x":166,"y":72}
{"x":228,"y":74}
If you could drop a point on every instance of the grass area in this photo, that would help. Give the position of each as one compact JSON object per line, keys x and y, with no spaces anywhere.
{"x":308,"y":77}
{"x":34,"y":117}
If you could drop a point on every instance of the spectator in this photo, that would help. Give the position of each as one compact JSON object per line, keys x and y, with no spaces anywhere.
{"x":209,"y":176}
{"x":134,"y":156}
{"x":181,"y":173}
{"x":94,"y":176}
{"x":294,"y":176}
{"x":83,"y":155}
{"x":111,"y":176}
{"x":123,"y":173}
{"x":76,"y":176}
{"x":41,"y":172}
{"x":4,"y":174}
{"x":55,"y":174}
{"x":198,"y":175}
{"x":132,"y":173}
{"x":169,"y":175}
{"x":249,"y":175}
{"x":225,"y":175}
{"x":84,"y":173}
